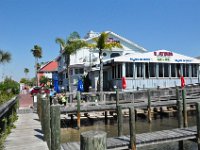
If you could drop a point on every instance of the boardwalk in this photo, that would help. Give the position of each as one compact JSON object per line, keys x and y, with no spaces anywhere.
{"x":27,"y":135}
{"x":144,"y":139}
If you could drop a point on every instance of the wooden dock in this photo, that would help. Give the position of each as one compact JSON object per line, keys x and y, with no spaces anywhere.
{"x":144,"y":139}
{"x":27,"y":135}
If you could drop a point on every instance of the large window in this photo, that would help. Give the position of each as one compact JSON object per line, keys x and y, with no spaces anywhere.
{"x":194,"y":70}
{"x":119,"y":71}
{"x":139,"y":70}
{"x":186,"y":70}
{"x":166,"y":69}
{"x":129,"y":69}
{"x":161,"y":70}
{"x":146,"y":70}
{"x":152,"y":69}
{"x":173,"y":70}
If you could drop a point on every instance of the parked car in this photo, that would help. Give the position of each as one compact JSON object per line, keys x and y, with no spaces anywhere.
{"x":36,"y":90}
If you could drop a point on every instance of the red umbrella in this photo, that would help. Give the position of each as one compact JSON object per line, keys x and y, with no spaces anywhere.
{"x":182,"y":82}
{"x":123,"y":82}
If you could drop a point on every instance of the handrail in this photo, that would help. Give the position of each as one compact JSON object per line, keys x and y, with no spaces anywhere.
{"x":4,"y":108}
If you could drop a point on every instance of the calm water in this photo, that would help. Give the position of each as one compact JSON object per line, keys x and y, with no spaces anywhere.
{"x":71,"y":134}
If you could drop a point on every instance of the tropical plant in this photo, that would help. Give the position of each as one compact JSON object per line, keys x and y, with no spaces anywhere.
{"x":37,"y":53}
{"x":4,"y":57}
{"x":103,"y":44}
{"x":44,"y":80}
{"x":26,"y":71}
{"x":69,"y":47}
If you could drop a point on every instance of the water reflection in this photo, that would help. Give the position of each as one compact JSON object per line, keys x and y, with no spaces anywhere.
{"x":70,"y":134}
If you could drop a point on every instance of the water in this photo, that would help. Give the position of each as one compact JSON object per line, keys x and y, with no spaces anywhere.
{"x":72,"y":134}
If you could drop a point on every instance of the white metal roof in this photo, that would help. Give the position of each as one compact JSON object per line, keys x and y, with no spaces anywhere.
{"x":159,"y":56}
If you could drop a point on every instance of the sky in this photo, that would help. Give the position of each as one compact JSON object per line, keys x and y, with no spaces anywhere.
{"x":153,"y":24}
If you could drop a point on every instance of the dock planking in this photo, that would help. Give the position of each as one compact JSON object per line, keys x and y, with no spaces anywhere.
{"x":144,"y":139}
{"x":27,"y":134}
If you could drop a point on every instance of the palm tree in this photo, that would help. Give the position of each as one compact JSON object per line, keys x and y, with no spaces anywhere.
{"x":37,"y":53}
{"x":26,"y":71}
{"x":69,"y":47}
{"x":101,"y":45}
{"x":5,"y":57}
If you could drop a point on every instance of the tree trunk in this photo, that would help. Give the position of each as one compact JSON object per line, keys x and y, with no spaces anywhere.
{"x":36,"y":77}
{"x":101,"y":76}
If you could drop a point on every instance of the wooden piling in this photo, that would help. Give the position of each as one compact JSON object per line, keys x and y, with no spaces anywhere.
{"x":106,"y":117}
{"x":177,"y":93}
{"x":184,"y":108}
{"x":45,"y":119}
{"x":198,"y":124}
{"x":78,"y":110}
{"x":93,"y":140}
{"x":120,"y":120}
{"x":149,"y":106}
{"x":132,"y":145}
{"x":55,"y":127}
{"x":180,"y":120}
{"x":117,"y":97}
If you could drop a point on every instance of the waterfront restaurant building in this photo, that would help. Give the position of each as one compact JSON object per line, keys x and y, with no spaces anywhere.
{"x":160,"y":68}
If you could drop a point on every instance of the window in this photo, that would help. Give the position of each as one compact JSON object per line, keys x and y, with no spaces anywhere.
{"x":79,"y":71}
{"x":146,"y":70}
{"x":160,"y":70}
{"x":186,"y":70}
{"x":194,"y":70}
{"x":129,"y":69}
{"x":173,"y":70}
{"x":166,"y":70}
{"x":119,"y":71}
{"x":152,"y":69}
{"x":139,"y":69}
{"x":114,"y":55}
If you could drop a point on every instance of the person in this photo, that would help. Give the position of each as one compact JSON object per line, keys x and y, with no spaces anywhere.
{"x":64,"y":99}
{"x":51,"y":95}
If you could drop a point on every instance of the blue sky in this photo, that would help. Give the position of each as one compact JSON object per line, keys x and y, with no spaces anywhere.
{"x":153,"y":24}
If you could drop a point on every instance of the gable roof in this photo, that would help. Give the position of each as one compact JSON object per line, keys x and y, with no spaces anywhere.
{"x":159,"y":56}
{"x":118,"y":37}
{"x":51,"y":66}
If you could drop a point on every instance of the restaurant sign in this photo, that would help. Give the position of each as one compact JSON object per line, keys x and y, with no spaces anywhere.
{"x":163,"y":56}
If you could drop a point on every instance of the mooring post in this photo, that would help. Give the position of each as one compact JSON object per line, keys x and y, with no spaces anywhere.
{"x":45,"y":120}
{"x":180,"y":120}
{"x":132,"y":145}
{"x":117,"y":97}
{"x":198,"y":124}
{"x":177,"y":94}
{"x":184,"y":108}
{"x":78,"y":110}
{"x":106,"y":117}
{"x":119,"y":120}
{"x":39,"y":106}
{"x":55,"y":127}
{"x":149,"y":105}
{"x":93,"y":140}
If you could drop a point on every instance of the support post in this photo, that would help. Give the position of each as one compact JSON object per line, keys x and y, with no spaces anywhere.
{"x":180,"y":120}
{"x":184,"y":108}
{"x":149,"y":106}
{"x":132,"y":145}
{"x":198,"y":124}
{"x":117,"y":97}
{"x":93,"y":140}
{"x":106,"y":117}
{"x":45,"y":119}
{"x":177,"y":93}
{"x":119,"y":120}
{"x":78,"y":110}
{"x":55,"y":127}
